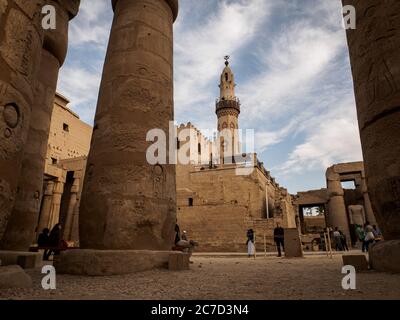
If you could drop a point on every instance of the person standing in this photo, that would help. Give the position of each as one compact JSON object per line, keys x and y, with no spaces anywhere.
{"x":369,"y":236}
{"x":279,"y":235}
{"x":337,"y":239}
{"x":250,"y":243}
{"x":343,"y":241}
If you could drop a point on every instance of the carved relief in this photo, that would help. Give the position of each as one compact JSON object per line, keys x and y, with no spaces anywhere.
{"x":159,"y":179}
{"x":6,"y":199}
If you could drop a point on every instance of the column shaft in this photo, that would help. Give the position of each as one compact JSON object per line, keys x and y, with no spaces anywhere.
{"x":21,"y":227}
{"x":126,"y":202}
{"x":20,"y":50}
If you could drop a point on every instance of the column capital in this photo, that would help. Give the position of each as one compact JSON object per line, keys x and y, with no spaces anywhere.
{"x":71,"y":6}
{"x":174,"y":5}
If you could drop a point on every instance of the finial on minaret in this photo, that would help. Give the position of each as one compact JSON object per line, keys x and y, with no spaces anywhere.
{"x":227,"y":60}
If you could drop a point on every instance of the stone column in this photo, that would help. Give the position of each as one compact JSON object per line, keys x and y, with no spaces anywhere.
{"x":369,"y":213}
{"x":21,"y":226}
{"x":126,"y":202}
{"x":336,"y":205}
{"x":56,"y":203}
{"x":45,"y":212}
{"x":375,"y":61}
{"x":21,"y":39}
{"x":67,"y":232}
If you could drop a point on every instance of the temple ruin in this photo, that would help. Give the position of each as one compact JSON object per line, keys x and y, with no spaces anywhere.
{"x":115,"y":205}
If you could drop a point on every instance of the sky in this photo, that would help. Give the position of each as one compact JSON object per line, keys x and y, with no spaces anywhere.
{"x":291,"y":68}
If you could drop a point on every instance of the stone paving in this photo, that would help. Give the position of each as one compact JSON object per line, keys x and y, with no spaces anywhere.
{"x":312,"y":277}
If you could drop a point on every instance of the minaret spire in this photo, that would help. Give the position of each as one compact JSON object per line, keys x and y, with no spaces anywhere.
{"x":228,"y":106}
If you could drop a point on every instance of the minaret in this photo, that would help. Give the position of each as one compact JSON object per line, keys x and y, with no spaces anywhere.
{"x":227,"y":110}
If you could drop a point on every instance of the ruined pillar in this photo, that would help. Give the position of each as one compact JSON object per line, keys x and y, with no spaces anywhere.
{"x":336,"y":205}
{"x":73,"y":200}
{"x":21,"y":226}
{"x":375,"y":61}
{"x":21,"y":39}
{"x":127,"y":203}
{"x":45,"y":211}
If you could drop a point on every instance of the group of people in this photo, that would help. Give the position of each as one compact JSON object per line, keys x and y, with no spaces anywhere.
{"x":366,"y":234}
{"x":51,"y":241}
{"x":279,"y":235}
{"x":340,"y":240}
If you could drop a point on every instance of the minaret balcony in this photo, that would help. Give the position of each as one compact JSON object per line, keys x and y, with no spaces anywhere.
{"x":231,"y":103}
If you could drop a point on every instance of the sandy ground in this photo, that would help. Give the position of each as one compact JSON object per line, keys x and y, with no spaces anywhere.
{"x":314,"y":277}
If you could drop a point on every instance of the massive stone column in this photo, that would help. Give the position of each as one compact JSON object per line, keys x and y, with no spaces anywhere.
{"x":21,"y":226}
{"x":126,"y":202}
{"x":56,"y":203}
{"x":336,"y":205}
{"x":375,"y":60}
{"x":44,"y":219}
{"x":21,"y":39}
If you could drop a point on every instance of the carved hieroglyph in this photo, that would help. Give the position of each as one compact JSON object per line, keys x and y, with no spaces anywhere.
{"x":22,"y":222}
{"x":126,"y":202}
{"x":375,"y":60}
{"x":20,"y":48}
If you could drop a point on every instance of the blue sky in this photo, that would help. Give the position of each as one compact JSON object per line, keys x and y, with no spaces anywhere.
{"x":292,"y":72}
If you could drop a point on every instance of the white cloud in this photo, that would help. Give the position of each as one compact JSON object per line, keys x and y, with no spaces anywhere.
{"x":91,"y":25}
{"x":199,"y":48}
{"x":330,"y":138}
{"x":81,"y":87}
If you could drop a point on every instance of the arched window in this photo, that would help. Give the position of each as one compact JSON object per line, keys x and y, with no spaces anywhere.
{"x":226,"y":76}
{"x":199,"y":148}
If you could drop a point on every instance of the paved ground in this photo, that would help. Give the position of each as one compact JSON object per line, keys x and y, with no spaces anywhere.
{"x":312,"y":277}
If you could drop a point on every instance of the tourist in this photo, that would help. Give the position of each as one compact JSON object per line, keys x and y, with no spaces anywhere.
{"x":360,"y":233}
{"x":369,"y":236}
{"x":55,"y":240}
{"x":43,"y":242}
{"x":343,"y":241}
{"x":182,"y":242}
{"x":377,"y":233}
{"x":279,"y":235}
{"x":250,"y":243}
{"x":337,"y":239}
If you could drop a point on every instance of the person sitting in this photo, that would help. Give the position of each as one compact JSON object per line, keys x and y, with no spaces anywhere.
{"x":43,"y":242}
{"x":377,"y":233}
{"x":182,"y":242}
{"x":55,"y":240}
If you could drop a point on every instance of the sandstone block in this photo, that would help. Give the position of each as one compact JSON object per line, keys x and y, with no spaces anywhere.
{"x":358,"y":261}
{"x":293,"y":247}
{"x":178,"y":261}
{"x":385,"y":256}
{"x":26,"y":260}
{"x":110,"y":262}
{"x":14,"y":277}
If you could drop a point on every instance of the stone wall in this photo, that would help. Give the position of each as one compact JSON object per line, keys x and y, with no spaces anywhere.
{"x":216,"y":206}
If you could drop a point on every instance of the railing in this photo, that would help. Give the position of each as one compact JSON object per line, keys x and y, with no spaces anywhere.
{"x":232,"y":103}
